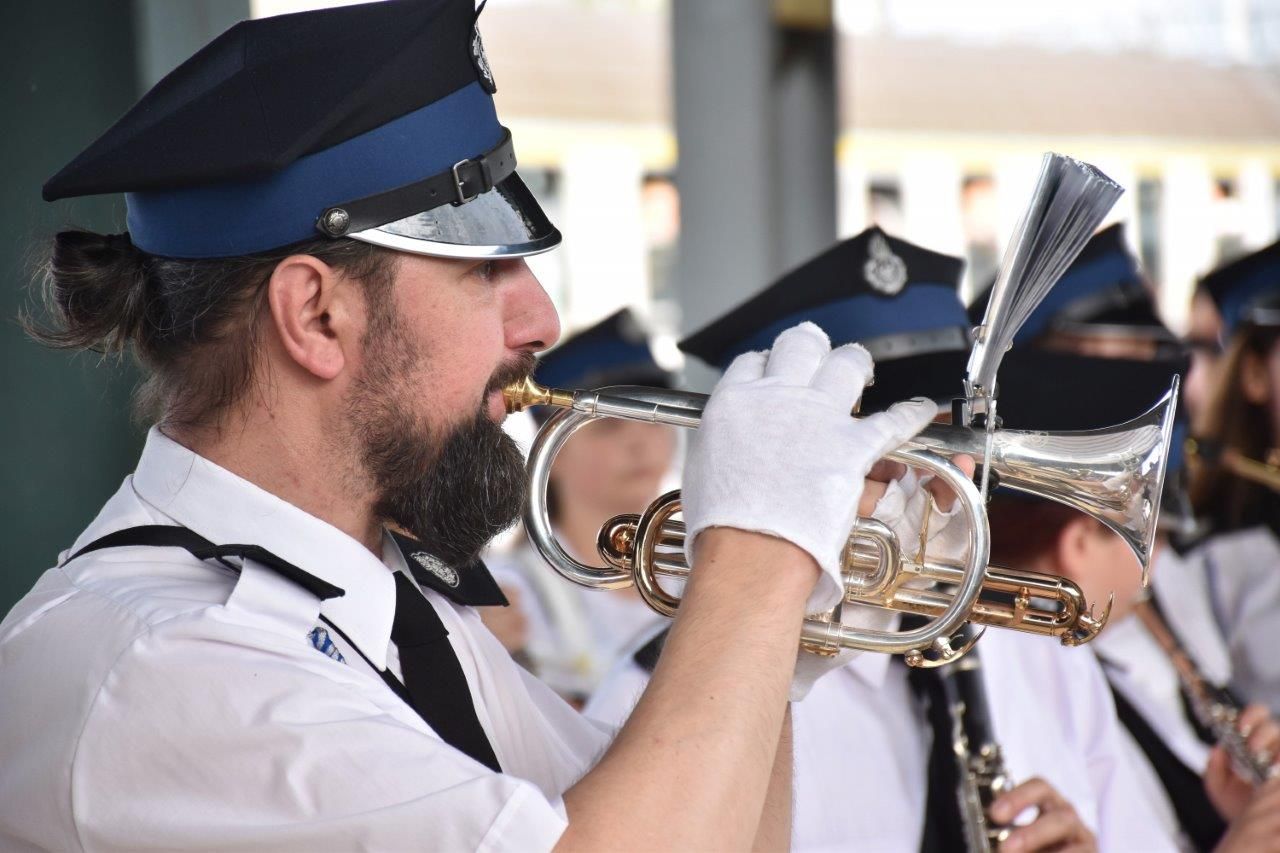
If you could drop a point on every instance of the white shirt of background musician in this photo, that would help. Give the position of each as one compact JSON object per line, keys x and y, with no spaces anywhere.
{"x":1186,"y":601}
{"x":575,"y":634}
{"x":1244,"y":582}
{"x":1138,"y":668}
{"x":152,"y":700}
{"x":862,"y":745}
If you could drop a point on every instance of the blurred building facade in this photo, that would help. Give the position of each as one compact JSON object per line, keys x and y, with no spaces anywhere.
{"x":940,"y":139}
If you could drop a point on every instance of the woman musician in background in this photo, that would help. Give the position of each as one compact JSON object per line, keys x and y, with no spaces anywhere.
{"x":1235,"y":484}
{"x":1200,"y":757}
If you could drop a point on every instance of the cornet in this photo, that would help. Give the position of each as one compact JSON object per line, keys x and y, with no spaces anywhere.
{"x":1115,"y":475}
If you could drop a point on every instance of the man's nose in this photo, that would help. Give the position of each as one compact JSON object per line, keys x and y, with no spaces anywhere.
{"x":532,"y":324}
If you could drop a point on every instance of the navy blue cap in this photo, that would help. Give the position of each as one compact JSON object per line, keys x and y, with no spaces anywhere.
{"x":372,"y":121}
{"x":1102,"y":291}
{"x":615,"y":351}
{"x":1051,"y":390}
{"x":1237,"y":286}
{"x":895,"y":298}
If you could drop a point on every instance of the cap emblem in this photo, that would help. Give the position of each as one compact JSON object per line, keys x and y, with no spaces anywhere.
{"x":481,"y":62}
{"x":884,"y":271}
{"x":436,"y":567}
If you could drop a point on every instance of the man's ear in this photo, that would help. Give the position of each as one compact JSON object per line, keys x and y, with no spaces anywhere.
{"x":315,"y":318}
{"x":1253,"y":379}
{"x":1074,"y":552}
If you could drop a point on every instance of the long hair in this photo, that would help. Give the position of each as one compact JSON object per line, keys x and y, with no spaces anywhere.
{"x":193,"y":325}
{"x":1236,"y":423}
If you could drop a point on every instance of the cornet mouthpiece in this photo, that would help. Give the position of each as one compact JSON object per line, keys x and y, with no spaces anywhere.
{"x":525,"y":393}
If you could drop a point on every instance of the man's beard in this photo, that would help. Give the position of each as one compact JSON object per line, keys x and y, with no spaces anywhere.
{"x":453,"y":491}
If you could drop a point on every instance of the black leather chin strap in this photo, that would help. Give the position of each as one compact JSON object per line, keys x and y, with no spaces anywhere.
{"x":457,"y":185}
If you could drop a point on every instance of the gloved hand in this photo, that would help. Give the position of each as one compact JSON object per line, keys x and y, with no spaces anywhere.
{"x":902,"y":507}
{"x":778,"y":453}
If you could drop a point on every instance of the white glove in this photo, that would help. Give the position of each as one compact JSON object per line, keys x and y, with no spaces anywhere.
{"x":778,"y":453}
{"x":810,"y":667}
{"x":902,"y":507}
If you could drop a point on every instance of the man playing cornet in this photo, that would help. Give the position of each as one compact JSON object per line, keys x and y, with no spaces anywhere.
{"x":322,"y":279}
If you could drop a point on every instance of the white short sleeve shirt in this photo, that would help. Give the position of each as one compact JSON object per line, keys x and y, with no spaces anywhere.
{"x":151,"y":701}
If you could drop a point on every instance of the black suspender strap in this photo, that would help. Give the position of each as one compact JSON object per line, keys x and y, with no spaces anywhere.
{"x":169,"y":536}
{"x":436,"y":687}
{"x":1196,"y":814}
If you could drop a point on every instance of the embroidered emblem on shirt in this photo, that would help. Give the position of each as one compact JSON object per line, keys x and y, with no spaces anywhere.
{"x":322,"y":642}
{"x":437,"y":567}
{"x":481,"y":62}
{"x":884,"y":271}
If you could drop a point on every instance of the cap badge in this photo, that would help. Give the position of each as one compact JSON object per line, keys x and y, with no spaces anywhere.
{"x":437,"y":567}
{"x":481,"y":62}
{"x":884,"y":271}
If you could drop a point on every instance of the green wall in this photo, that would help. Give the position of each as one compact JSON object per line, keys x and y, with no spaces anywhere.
{"x":67,"y":70}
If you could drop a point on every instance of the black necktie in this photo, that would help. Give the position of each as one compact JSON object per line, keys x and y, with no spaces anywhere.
{"x":433,"y":678}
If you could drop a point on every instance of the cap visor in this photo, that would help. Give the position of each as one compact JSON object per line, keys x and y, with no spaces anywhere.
{"x":505,"y":222}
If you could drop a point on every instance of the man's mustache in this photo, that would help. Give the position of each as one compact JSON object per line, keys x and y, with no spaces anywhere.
{"x":521,"y":367}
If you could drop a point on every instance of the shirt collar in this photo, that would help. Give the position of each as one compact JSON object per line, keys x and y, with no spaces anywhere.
{"x":227,"y":509}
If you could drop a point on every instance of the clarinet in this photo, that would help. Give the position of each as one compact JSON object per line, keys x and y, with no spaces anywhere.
{"x":1215,"y":709}
{"x":979,"y":761}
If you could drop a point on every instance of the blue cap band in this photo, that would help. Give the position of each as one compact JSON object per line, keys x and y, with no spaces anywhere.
{"x":1077,"y":283}
{"x":918,"y":308}
{"x":569,"y":366}
{"x":227,"y":220}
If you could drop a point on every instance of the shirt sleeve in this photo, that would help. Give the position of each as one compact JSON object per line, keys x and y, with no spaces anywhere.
{"x":1244,"y":570}
{"x":229,"y":741}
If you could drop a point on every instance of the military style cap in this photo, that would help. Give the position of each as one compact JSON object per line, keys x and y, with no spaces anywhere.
{"x":1101,"y":293}
{"x":374,"y":122}
{"x":895,"y":298}
{"x":615,"y":351}
{"x":1049,"y":390}
{"x":1237,"y":286}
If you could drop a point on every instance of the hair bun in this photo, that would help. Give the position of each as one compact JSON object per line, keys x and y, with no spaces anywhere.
{"x":95,"y":286}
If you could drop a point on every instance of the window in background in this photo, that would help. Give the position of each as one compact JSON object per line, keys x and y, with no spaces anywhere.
{"x":980,"y":211}
{"x":1150,"y":199}
{"x":660,"y":202}
{"x":1275,"y":195}
{"x":884,"y":206}
{"x":1228,"y":221}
